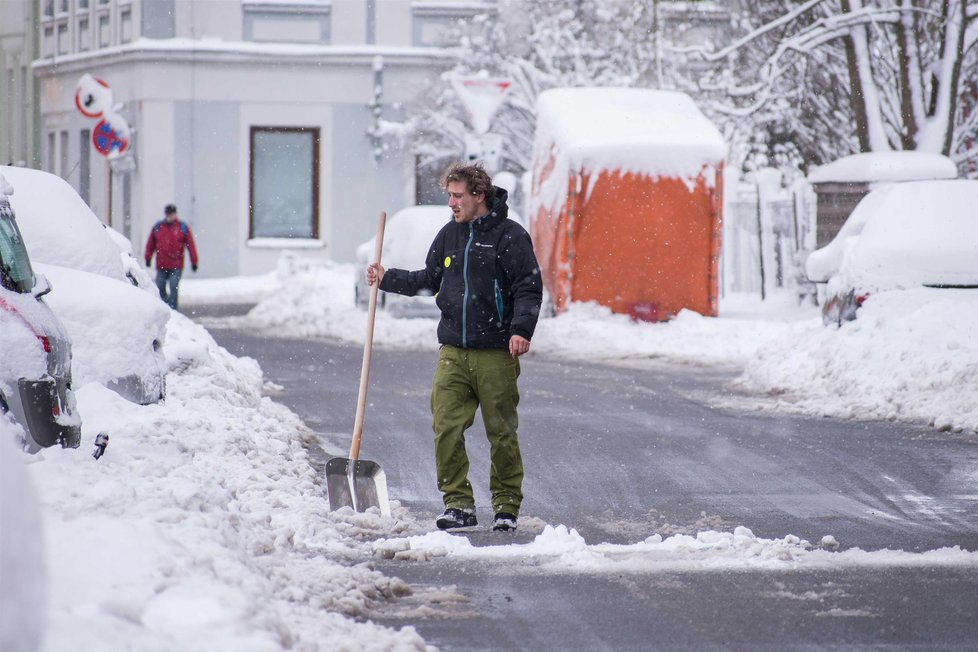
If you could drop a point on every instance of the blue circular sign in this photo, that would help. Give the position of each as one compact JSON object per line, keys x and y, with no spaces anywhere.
{"x":106,"y":139}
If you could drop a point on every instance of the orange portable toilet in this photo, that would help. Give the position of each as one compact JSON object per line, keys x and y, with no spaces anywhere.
{"x":625,"y":205}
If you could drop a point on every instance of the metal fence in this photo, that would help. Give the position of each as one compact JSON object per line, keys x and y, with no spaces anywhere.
{"x":766,"y":240}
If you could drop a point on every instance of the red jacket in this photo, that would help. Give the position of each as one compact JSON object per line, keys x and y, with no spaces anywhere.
{"x":167,"y":240}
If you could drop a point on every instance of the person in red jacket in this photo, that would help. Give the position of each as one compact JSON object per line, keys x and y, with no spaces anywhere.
{"x":167,"y":240}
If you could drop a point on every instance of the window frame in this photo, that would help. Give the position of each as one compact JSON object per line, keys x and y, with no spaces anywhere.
{"x":319,"y":15}
{"x":314,"y":173}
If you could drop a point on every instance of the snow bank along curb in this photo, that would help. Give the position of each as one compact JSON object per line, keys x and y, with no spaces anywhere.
{"x":203,"y":526}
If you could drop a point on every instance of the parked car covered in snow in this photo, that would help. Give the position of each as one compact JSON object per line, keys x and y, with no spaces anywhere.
{"x":117,"y":332}
{"x":407,"y":237}
{"x":111,"y":309}
{"x":906,"y":236}
{"x":135,"y":272}
{"x":35,"y":351}
{"x":60,"y":228}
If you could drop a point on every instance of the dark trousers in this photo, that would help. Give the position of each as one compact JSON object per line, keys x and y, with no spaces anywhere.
{"x":171,"y":278}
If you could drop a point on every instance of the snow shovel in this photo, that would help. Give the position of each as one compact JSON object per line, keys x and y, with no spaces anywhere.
{"x":352,"y":482}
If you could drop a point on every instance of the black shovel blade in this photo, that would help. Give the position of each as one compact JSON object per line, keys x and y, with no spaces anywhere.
{"x":360,"y":484}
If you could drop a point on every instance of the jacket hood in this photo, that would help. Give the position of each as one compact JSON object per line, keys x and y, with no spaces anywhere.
{"x":497,"y":212}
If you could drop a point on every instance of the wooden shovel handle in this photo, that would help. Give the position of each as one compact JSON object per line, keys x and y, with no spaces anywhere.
{"x":368,"y":344}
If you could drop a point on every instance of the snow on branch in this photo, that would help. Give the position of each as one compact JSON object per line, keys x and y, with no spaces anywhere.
{"x":832,"y":26}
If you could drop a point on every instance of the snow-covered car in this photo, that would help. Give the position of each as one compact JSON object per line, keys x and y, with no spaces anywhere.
{"x":35,"y":350}
{"x":904,"y":236}
{"x":135,"y":272}
{"x":407,"y":236}
{"x":117,"y":332}
{"x":60,"y":228}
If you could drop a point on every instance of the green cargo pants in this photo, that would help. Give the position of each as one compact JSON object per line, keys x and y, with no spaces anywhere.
{"x":467,"y":379}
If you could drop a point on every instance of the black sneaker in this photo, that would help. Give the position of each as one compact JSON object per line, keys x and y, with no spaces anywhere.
{"x":504,"y":522}
{"x":454,"y":517}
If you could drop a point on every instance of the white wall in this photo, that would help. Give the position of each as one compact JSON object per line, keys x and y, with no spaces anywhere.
{"x":348,"y":22}
{"x":153,"y":188}
{"x":393,"y":22}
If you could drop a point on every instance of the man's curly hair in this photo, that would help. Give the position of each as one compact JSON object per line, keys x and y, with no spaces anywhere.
{"x":477,"y":180}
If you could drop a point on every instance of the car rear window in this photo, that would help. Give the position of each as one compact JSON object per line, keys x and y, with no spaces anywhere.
{"x":16,"y":273}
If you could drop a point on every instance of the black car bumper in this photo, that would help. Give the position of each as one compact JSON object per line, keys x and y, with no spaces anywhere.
{"x":48,"y":413}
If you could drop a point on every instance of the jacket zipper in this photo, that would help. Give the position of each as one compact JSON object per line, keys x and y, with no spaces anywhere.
{"x":499,"y":299}
{"x":465,"y":284}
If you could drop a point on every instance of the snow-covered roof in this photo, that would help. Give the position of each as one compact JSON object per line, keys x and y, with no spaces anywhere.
{"x":658,"y":133}
{"x":885,"y":166}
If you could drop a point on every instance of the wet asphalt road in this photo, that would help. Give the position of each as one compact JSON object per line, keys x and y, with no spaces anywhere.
{"x":620,"y":453}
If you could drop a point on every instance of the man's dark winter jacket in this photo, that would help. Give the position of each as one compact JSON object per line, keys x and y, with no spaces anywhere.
{"x":167,"y":240}
{"x":486,"y":277}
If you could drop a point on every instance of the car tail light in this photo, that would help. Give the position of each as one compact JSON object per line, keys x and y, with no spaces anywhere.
{"x":860,"y":299}
{"x":45,"y":342}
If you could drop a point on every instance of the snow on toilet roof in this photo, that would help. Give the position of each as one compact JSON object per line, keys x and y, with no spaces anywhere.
{"x":885,"y":166}
{"x":658,"y":133}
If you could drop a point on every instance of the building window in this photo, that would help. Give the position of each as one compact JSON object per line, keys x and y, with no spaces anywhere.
{"x":22,"y":131}
{"x":84,"y":36}
{"x":268,"y":22}
{"x":104,"y":31}
{"x":284,"y":185}
{"x":157,"y":19}
{"x":63,"y":155}
{"x":430,"y":32}
{"x":64,"y":43}
{"x":125,"y":25}
{"x":435,"y":22}
{"x":52,"y":153}
{"x":8,"y":114}
{"x":62,"y":6}
{"x":82,"y":4}
{"x":48,"y":40}
{"x":85,"y":165}
{"x":48,"y":9}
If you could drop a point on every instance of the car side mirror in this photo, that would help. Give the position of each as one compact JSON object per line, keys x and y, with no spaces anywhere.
{"x":41,"y":285}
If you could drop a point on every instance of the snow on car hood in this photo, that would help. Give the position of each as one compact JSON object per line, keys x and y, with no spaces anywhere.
{"x":112,"y":324}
